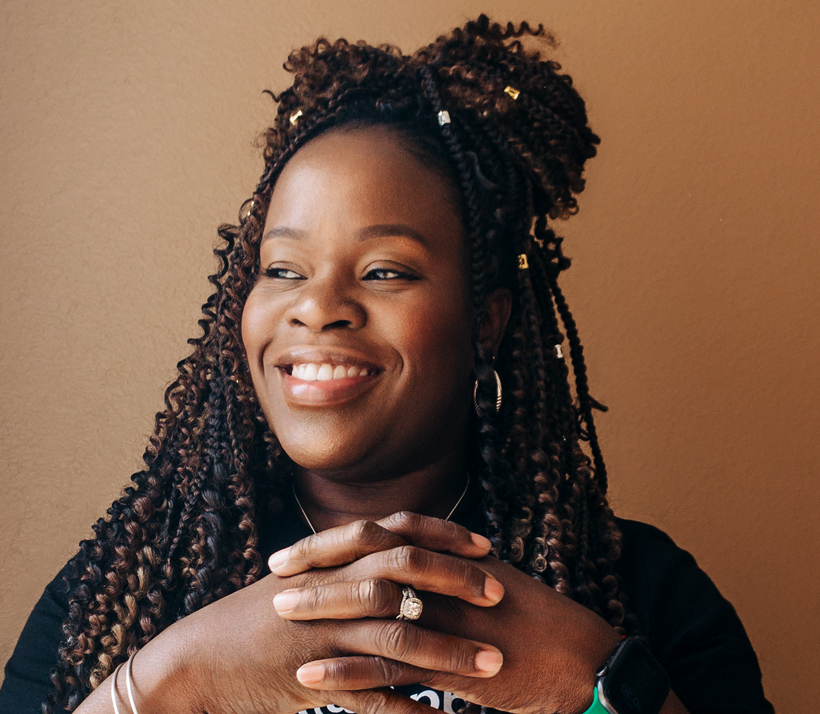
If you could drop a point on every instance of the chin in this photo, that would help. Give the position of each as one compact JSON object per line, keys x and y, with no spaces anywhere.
{"x":327,"y":455}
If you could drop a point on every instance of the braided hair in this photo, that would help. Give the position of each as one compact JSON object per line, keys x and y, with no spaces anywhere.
{"x":511,"y":132}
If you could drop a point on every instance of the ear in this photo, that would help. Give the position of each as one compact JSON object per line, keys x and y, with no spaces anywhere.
{"x":496,"y":314}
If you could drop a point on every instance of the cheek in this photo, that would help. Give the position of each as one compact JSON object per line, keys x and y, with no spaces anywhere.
{"x":258,"y":331}
{"x":256,"y":320}
{"x":438,"y":344}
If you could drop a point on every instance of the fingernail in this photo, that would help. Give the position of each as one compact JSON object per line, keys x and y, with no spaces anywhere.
{"x":285,"y":601}
{"x":481,"y":541}
{"x":488,"y":661}
{"x":311,"y":673}
{"x":493,"y":590}
{"x":278,"y":559}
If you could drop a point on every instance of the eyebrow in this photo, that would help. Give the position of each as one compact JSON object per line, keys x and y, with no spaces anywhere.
{"x":379,"y":230}
{"x":284,"y":232}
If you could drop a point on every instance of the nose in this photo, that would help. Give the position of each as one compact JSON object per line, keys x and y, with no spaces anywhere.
{"x":326,"y":303}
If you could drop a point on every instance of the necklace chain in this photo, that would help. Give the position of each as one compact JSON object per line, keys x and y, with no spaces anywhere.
{"x":449,"y":515}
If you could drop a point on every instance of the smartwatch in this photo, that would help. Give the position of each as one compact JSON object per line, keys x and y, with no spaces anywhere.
{"x":631,"y":682}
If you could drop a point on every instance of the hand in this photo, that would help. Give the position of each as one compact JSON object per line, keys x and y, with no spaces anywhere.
{"x":551,"y":645}
{"x":241,"y":658}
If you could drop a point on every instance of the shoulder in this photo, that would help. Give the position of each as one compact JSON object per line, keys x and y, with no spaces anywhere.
{"x":649,"y":556}
{"x":666,"y":588}
{"x":692,"y":629}
{"x":26,"y":682}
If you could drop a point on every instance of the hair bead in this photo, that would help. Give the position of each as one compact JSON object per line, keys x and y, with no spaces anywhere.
{"x":246,"y":209}
{"x":443,"y":117}
{"x":512,"y":91}
{"x":295,"y":117}
{"x":522,"y":262}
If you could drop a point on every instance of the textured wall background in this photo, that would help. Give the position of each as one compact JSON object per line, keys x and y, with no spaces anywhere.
{"x":126,"y":136}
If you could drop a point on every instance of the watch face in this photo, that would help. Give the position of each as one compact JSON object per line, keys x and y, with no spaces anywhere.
{"x":635,"y":683}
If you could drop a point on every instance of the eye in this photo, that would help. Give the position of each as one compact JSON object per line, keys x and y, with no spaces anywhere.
{"x":389,"y":274}
{"x":282,"y":274}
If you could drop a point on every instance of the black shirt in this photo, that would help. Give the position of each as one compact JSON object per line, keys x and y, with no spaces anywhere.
{"x":691,"y":629}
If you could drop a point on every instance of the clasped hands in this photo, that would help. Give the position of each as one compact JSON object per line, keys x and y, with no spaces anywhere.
{"x":488,"y":633}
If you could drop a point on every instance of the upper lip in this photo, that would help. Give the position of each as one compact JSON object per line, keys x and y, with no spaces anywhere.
{"x":324,"y":355}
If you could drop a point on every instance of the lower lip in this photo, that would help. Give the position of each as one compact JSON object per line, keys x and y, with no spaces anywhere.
{"x":331,"y":392}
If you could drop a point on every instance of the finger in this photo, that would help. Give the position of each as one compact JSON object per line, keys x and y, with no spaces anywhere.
{"x":333,"y":547}
{"x":437,"y":534}
{"x":360,"y":672}
{"x":405,"y":643}
{"x":357,"y":673}
{"x":426,"y":570}
{"x":373,"y":597}
{"x":380,"y":701}
{"x":344,"y":544}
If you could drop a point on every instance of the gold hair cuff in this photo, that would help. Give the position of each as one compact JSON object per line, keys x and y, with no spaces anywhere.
{"x":522,"y":262}
{"x":295,"y":117}
{"x":512,"y":91}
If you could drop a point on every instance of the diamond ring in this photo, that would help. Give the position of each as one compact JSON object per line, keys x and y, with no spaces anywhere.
{"x":410,"y":608}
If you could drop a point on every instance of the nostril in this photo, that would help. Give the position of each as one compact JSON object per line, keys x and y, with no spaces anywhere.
{"x":333,"y":312}
{"x":337,"y":324}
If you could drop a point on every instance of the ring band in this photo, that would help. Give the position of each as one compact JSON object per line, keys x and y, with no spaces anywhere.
{"x":411,"y":606}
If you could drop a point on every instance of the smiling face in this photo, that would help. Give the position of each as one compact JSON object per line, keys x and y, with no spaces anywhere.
{"x":358,"y":329}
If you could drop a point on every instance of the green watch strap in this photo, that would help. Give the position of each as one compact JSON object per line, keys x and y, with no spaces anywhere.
{"x":596,"y":707}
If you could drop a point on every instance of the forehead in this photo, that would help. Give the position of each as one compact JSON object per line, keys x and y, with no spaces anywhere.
{"x":362,"y":176}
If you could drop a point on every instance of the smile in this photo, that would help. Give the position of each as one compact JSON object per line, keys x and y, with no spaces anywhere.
{"x":325,"y":377}
{"x":314,"y":372}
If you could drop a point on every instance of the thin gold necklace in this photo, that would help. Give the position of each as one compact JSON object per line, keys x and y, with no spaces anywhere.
{"x":452,"y":510}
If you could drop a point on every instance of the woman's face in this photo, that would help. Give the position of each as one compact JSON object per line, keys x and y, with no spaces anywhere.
{"x":358,"y":331}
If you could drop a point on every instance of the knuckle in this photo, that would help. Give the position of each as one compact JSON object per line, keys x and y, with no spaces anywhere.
{"x":407,"y":520}
{"x":462,"y":658}
{"x":374,"y":596}
{"x":315,"y":599}
{"x":337,"y":670}
{"x":396,"y":639}
{"x":364,"y":594}
{"x":383,"y":670}
{"x":305,"y":549}
{"x":470,"y":577}
{"x":406,"y":557}
{"x":457,"y":532}
{"x":364,"y":531}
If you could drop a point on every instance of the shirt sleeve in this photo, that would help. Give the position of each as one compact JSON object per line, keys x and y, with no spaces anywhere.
{"x":693,"y":631}
{"x":27,"y":674}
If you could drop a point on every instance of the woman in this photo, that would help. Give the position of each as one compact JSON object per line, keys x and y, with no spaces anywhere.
{"x":380,"y":402}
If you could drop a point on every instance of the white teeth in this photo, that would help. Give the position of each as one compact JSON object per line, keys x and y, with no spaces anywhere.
{"x":311,"y":372}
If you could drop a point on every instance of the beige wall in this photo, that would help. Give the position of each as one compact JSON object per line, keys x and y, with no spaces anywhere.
{"x":126,"y":137}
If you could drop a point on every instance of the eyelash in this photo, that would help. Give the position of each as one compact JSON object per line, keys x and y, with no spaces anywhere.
{"x":277,"y":274}
{"x":399,"y":275}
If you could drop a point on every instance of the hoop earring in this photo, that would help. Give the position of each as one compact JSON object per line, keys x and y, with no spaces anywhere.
{"x":498,"y":395}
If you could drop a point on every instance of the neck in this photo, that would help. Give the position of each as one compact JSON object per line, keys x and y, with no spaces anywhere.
{"x":432,"y":491}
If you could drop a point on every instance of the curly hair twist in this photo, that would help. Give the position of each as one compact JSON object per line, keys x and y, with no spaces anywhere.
{"x":185,"y":532}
